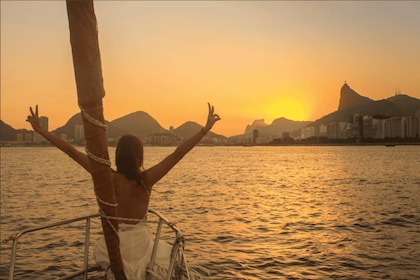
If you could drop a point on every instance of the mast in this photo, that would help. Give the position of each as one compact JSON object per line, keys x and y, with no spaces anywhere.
{"x":90,"y":91}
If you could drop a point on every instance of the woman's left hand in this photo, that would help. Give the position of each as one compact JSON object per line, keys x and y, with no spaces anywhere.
{"x":211,"y":119}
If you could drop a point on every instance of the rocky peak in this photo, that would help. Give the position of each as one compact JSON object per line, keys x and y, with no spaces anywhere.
{"x":350,"y":98}
{"x":260,"y":122}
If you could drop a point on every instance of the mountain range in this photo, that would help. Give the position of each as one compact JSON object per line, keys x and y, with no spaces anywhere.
{"x":352,"y":102}
{"x":138,"y":123}
{"x":142,"y":124}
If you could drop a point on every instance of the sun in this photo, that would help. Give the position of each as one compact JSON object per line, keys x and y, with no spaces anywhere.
{"x":288,"y":107}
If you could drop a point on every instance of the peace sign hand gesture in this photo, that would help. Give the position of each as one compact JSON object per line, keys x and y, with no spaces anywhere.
{"x":33,"y":119}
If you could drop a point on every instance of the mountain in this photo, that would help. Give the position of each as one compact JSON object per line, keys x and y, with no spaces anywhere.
{"x":409,"y":104}
{"x":349,"y":98}
{"x":138,"y":123}
{"x":276,"y":128}
{"x":7,"y":132}
{"x":69,"y":127}
{"x":352,"y":103}
{"x":189,"y":128}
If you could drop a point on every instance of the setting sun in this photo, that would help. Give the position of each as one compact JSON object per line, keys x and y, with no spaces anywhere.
{"x":252,"y":59}
{"x":289,"y":107}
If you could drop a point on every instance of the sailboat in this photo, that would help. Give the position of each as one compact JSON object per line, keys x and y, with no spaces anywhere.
{"x":90,"y":92}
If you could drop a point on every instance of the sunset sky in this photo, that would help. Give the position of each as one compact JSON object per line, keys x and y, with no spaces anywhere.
{"x":251,"y":60}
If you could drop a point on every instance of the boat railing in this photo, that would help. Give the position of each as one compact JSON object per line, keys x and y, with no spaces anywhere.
{"x":177,"y":264}
{"x":177,"y":257}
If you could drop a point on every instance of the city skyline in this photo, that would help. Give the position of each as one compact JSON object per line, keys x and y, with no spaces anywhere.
{"x":397,"y":122}
{"x":251,"y":60}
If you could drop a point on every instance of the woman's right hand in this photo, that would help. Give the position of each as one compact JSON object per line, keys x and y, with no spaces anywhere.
{"x":33,"y":118}
{"x":63,"y":145}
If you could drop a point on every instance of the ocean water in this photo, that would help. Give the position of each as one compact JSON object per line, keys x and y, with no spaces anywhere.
{"x":247,"y":212}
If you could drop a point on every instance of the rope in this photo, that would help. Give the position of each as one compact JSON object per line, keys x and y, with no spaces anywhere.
{"x":109,"y":275}
{"x":100,"y":124}
{"x":103,"y":161}
{"x":93,"y":120}
{"x":180,"y":269}
{"x":106,"y":203}
{"x":103,"y":215}
{"x":98,"y":159}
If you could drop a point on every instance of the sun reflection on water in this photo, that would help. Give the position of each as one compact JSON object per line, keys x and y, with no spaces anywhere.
{"x":250,"y":212}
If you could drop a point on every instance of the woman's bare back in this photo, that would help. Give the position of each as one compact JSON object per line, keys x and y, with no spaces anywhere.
{"x":133,"y":199}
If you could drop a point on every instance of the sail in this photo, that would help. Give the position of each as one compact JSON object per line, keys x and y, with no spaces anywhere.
{"x":90,"y":91}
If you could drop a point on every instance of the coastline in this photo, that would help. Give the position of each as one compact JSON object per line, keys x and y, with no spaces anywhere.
{"x":387,"y":144}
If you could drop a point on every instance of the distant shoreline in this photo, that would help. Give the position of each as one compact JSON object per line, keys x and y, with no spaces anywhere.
{"x":387,"y":144}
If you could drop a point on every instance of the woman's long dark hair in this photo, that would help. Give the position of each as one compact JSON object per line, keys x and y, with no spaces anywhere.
{"x":129,"y":158}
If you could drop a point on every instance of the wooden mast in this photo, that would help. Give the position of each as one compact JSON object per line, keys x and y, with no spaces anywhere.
{"x":90,"y":91}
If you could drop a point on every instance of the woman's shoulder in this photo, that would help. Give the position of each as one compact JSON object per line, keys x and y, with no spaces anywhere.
{"x":120,"y":180}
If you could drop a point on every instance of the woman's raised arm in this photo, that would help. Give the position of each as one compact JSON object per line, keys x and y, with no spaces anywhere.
{"x":155,"y":173}
{"x":67,"y":148}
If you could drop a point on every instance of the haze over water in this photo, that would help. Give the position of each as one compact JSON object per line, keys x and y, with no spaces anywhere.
{"x":246,"y":212}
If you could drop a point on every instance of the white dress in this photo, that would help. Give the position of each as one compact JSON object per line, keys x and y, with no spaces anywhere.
{"x":136,"y":246}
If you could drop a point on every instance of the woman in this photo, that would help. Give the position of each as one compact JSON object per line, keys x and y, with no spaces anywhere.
{"x":132,"y":185}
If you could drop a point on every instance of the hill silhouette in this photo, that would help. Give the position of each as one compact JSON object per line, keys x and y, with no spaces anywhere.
{"x":352,"y":103}
{"x":190,"y":128}
{"x":7,"y":132}
{"x":408,"y":104}
{"x":142,"y":124}
{"x":68,"y":127}
{"x":276,"y":128}
{"x":350,"y":98}
{"x":138,"y":123}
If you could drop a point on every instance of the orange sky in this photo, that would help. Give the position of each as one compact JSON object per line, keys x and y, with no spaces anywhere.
{"x":252,"y":60}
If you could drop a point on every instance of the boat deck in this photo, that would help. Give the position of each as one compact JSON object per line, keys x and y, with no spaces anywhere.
{"x":177,"y":262}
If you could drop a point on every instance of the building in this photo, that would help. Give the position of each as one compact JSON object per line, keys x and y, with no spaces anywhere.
{"x":322,"y":130}
{"x":255,"y":135}
{"x":43,"y":121}
{"x":339,"y":130}
{"x":367,"y":127}
{"x":396,"y":127}
{"x":162,"y":139}
{"x":19,"y":137}
{"x":413,"y":127}
{"x":307,"y":132}
{"x":28,"y":138}
{"x":38,"y":138}
{"x":378,"y":126}
{"x":79,"y":132}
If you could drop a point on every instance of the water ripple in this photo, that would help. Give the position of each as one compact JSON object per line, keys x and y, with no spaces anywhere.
{"x":264,"y":213}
